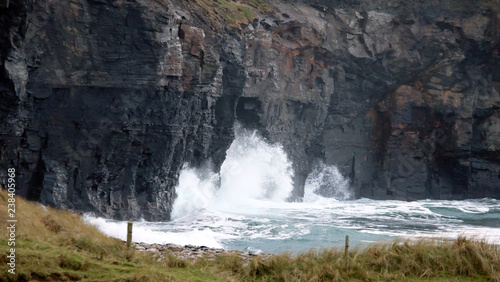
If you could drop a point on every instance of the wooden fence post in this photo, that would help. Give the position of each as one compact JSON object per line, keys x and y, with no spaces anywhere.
{"x":346,"y":251}
{"x":129,"y":233}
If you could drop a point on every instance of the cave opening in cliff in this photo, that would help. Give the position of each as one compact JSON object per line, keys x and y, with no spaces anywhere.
{"x":248,"y":112}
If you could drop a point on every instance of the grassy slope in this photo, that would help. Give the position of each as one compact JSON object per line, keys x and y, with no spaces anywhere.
{"x":57,"y":245}
{"x":233,"y":14}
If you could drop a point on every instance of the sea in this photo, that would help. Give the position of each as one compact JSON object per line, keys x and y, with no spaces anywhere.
{"x":246,"y":207}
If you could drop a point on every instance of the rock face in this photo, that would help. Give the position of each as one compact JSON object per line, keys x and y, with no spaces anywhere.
{"x":103,"y":101}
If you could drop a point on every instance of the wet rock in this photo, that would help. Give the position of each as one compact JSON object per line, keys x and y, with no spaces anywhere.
{"x":104,"y":101}
{"x":190,"y":252}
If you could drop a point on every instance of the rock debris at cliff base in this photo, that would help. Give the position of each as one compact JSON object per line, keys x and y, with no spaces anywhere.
{"x":191,"y":253}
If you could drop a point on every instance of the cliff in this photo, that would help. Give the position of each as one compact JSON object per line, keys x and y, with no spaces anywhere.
{"x":103,"y":101}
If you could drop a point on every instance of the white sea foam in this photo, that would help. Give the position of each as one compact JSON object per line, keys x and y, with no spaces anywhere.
{"x":326,"y":181}
{"x":147,"y":232}
{"x":253,"y":171}
{"x":195,"y":191}
{"x":244,"y":208}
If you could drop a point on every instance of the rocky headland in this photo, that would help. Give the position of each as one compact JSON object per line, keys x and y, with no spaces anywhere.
{"x":103,"y":101}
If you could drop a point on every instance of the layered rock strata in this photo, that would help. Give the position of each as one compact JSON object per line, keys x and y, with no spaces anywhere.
{"x":103,"y":101}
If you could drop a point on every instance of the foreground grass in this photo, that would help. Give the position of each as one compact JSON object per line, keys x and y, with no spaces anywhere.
{"x":458,"y":260}
{"x":56,"y":245}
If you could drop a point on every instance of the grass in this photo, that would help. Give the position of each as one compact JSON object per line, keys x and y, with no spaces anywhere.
{"x":234,"y":14}
{"x":57,"y":245}
{"x":458,"y":260}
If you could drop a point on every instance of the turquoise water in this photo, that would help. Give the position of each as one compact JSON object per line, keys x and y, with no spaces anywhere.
{"x":243,"y":207}
{"x":278,"y":227}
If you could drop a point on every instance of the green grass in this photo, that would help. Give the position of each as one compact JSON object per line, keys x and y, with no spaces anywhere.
{"x":234,"y":14}
{"x":42,"y":261}
{"x":458,"y":260}
{"x":57,"y":245}
{"x":262,"y":6}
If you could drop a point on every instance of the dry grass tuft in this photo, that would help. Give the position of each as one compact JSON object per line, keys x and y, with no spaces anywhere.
{"x":55,"y":245}
{"x":51,"y":224}
{"x":461,"y":259}
{"x":234,"y":14}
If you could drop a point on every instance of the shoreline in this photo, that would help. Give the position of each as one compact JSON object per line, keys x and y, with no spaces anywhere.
{"x":191,"y":252}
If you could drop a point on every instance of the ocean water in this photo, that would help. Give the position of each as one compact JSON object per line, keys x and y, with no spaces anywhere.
{"x":245,"y":208}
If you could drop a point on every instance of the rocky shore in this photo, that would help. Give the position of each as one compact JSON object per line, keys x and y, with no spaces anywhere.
{"x":190,"y":252}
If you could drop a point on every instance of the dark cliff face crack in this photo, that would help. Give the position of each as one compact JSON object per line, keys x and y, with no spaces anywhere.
{"x":202,"y":60}
{"x":363,"y":20}
{"x":367,"y":49}
{"x":180,"y":33}
{"x":75,"y":178}
{"x":248,"y":112}
{"x":35,"y":184}
{"x":233,"y":80}
{"x":381,"y":134}
{"x":12,"y":33}
{"x":202,"y":64}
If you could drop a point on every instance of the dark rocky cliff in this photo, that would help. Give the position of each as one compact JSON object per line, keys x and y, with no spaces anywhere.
{"x":102,"y":101}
